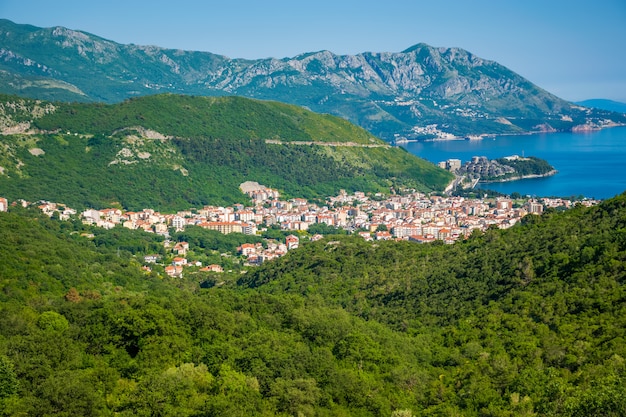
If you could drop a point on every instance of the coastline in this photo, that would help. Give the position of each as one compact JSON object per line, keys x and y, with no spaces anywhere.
{"x":521,"y":177}
{"x":580,"y":129}
{"x":603,"y":153}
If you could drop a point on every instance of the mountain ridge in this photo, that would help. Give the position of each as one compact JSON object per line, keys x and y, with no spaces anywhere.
{"x":604,"y":104}
{"x":391,"y":94}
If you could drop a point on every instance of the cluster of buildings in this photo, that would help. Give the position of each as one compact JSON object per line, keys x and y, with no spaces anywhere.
{"x":256,"y":254}
{"x":481,"y":166}
{"x":432,"y":130}
{"x":410,"y":216}
{"x":179,"y":262}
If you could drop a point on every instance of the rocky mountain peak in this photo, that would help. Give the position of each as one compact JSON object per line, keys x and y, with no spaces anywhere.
{"x":392,"y":94}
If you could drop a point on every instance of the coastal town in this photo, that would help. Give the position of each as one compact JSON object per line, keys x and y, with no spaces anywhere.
{"x":409,"y":215}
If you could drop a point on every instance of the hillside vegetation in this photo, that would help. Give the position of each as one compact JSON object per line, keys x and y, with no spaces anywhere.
{"x":523,"y":322}
{"x":171,"y":152}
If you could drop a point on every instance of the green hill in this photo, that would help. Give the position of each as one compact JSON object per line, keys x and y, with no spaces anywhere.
{"x":170,"y":152}
{"x":523,"y":322}
{"x":534,"y":315}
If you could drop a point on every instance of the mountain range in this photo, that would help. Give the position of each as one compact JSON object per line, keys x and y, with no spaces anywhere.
{"x":420,"y":93}
{"x":604,"y":104}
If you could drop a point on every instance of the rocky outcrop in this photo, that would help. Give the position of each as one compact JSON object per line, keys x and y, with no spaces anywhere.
{"x":15,"y":115}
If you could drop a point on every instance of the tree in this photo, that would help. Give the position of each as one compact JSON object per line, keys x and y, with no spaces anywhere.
{"x":296,"y":397}
{"x":8,"y":379}
{"x":324,"y":229}
{"x":52,"y":321}
{"x":177,"y":391}
{"x":72,"y":295}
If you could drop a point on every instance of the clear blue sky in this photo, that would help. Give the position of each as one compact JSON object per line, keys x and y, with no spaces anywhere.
{"x":573,"y":48}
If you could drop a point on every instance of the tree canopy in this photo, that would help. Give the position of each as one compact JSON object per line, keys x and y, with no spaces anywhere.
{"x":526,"y":321}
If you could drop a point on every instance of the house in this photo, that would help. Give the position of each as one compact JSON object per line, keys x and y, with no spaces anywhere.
{"x":246,"y":249}
{"x":174,"y":271}
{"x":383,"y":235}
{"x":212,"y":268}
{"x":329,"y":219}
{"x":129,"y":224}
{"x":131,"y":215}
{"x":292,"y":242}
{"x":255,"y":260}
{"x":90,"y":216}
{"x":161,"y":229}
{"x":105,"y":224}
{"x":179,"y":261}
{"x":151,"y":259}
{"x":422,"y":239}
{"x":181,"y":248}
{"x":111,"y":214}
{"x":144,"y":225}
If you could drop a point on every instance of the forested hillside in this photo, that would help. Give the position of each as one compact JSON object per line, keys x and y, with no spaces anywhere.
{"x":172,"y":152}
{"x":522,"y":322}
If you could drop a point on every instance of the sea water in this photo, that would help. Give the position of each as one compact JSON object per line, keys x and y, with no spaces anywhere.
{"x":590,"y":164}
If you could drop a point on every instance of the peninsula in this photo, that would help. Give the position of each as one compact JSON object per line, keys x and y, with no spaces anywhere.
{"x":480,"y":169}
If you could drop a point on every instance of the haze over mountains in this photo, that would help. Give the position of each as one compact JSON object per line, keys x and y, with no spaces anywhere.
{"x":393,"y":95}
{"x":604,"y":104}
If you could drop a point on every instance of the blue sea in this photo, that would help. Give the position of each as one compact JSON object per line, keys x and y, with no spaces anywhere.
{"x":591,"y":164}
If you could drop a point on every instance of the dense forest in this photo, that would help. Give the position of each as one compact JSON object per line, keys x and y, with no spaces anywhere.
{"x":171,"y":152}
{"x":527,"y":321}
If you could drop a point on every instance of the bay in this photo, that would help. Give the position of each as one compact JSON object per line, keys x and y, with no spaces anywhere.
{"x":590,"y":164}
